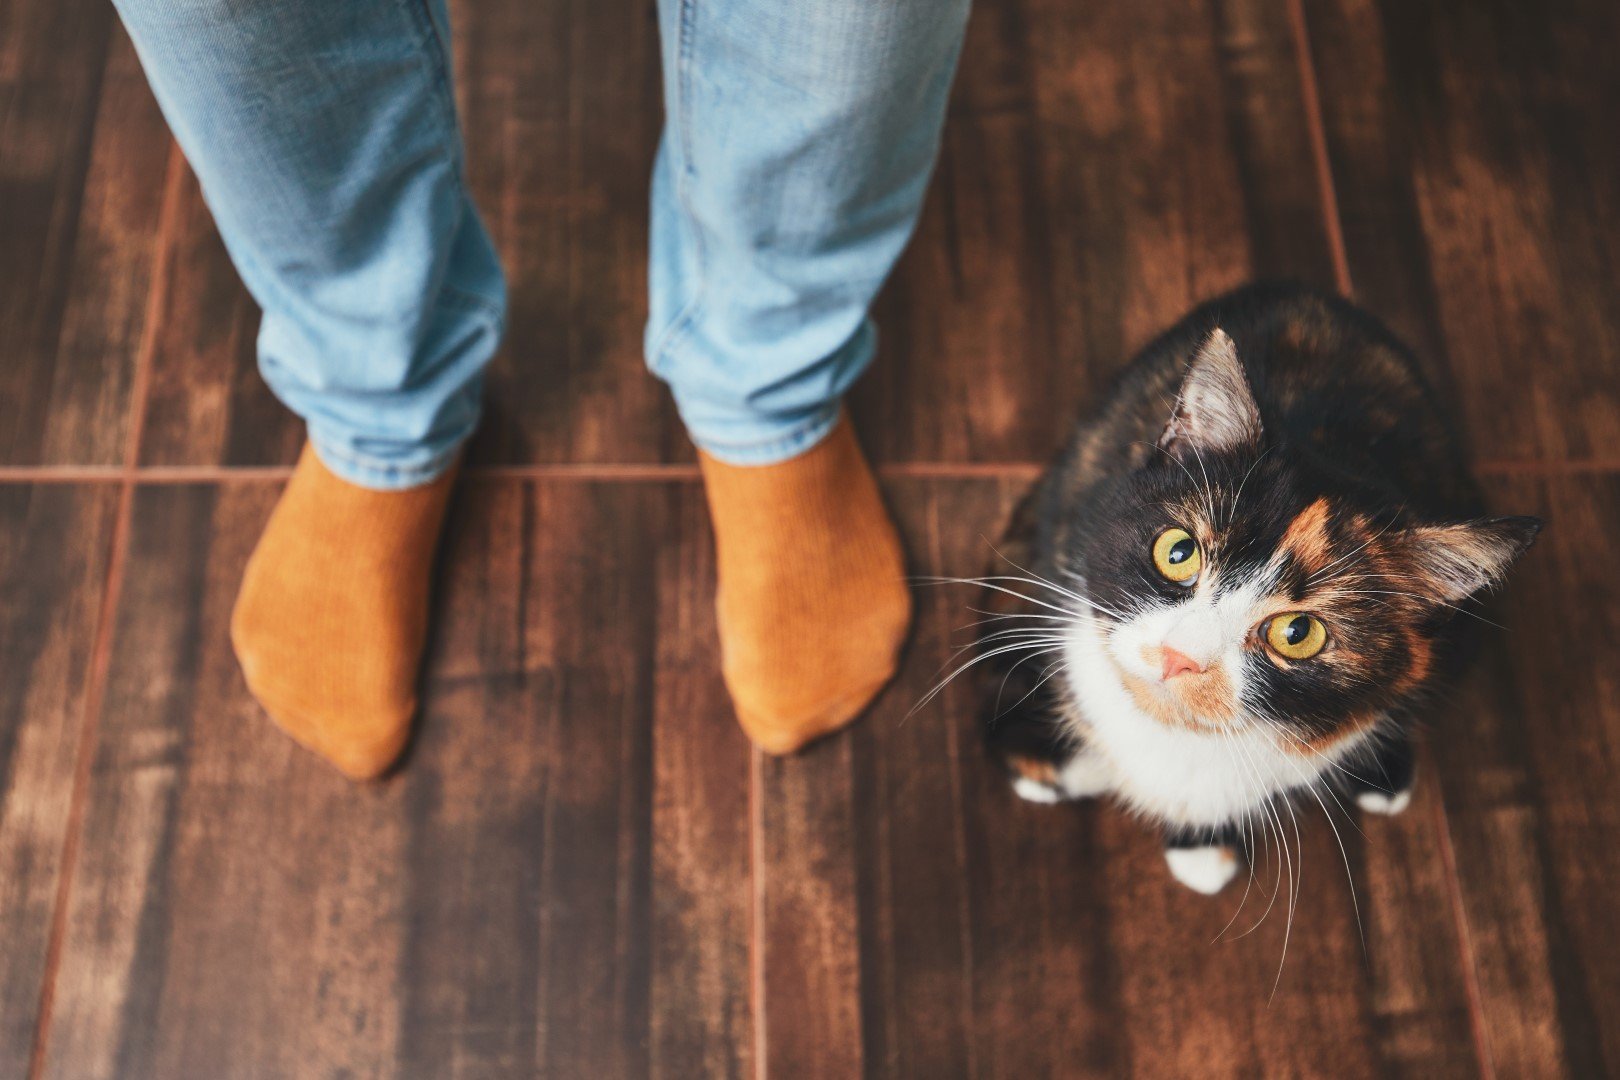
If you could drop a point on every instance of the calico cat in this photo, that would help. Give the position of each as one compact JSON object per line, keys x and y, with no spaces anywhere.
{"x":1245,"y":575}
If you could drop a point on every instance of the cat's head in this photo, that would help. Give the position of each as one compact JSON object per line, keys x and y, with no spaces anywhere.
{"x":1244,"y":579}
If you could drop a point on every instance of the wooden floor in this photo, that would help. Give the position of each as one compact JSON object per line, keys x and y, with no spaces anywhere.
{"x":584,"y":872}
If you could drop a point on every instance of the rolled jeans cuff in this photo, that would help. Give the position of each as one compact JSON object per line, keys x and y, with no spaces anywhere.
{"x":787,"y":443}
{"x":379,"y":475}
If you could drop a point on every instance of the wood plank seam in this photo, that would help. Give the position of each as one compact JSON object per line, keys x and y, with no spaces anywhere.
{"x":1465,"y":942}
{"x":756,"y":907}
{"x":1312,"y":103}
{"x":101,"y":648}
{"x":652,"y":472}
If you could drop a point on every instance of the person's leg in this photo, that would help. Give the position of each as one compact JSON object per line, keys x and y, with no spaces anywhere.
{"x":325,"y":138}
{"x":798,"y":147}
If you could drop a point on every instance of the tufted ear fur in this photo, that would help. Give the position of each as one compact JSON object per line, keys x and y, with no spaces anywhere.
{"x":1453,"y":562}
{"x":1215,"y":410}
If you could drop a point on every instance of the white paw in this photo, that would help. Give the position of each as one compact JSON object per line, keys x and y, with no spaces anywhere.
{"x":1379,"y":802}
{"x":1204,"y":869}
{"x":1035,"y":791}
{"x":1084,"y":777}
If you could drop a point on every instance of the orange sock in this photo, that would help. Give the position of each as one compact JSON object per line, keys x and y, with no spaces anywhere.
{"x":332,"y":616}
{"x":813,"y":601}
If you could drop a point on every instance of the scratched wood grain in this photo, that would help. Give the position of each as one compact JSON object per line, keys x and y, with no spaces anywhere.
{"x":1473,"y":154}
{"x":52,"y":59}
{"x":54,"y":543}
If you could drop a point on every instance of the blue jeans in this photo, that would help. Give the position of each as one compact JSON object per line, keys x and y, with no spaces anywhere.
{"x":799,"y":139}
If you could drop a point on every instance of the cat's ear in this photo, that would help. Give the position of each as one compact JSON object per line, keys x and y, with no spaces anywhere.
{"x":1215,"y":410}
{"x":1453,"y":562}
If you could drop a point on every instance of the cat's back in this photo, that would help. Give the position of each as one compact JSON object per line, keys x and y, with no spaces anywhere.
{"x":1331,"y":381}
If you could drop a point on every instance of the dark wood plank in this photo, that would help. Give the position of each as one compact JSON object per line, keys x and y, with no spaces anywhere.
{"x":1367,"y":134}
{"x":806,"y":915}
{"x":702,"y":1018}
{"x":1104,"y":168}
{"x":232,"y":903}
{"x":1419,"y":978}
{"x":51,"y":61}
{"x":999,"y":938}
{"x":497,"y":908}
{"x":1305,"y":1000}
{"x":977,"y":961}
{"x":115,"y":268}
{"x":206,"y":404}
{"x":53,"y":557}
{"x":1528,"y":771}
{"x":562,"y":107}
{"x":1473,"y":153}
{"x":531,"y":793}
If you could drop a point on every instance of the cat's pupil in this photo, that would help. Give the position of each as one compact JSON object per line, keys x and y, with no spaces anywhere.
{"x":1181,"y":551}
{"x":1297,"y":629}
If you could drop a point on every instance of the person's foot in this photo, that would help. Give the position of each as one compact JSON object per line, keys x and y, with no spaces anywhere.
{"x":813,"y":602}
{"x":332,"y":616}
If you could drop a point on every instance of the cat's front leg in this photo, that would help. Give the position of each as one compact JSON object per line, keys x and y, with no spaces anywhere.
{"x":1383,"y":785}
{"x":1048,"y":763}
{"x":1203,"y":859}
{"x":1083,"y":776}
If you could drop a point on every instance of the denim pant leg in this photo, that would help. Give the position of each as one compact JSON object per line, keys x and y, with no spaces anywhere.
{"x":325,"y":136}
{"x":798,"y":146}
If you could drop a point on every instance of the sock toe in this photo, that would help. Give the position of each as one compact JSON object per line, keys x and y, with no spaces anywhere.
{"x":332,"y":615}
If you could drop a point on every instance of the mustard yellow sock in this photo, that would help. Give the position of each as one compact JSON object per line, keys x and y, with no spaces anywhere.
{"x":813,"y":601}
{"x":332,"y":616}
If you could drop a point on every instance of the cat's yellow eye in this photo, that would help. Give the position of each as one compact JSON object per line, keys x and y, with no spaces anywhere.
{"x":1176,"y":556}
{"x":1295,"y":635}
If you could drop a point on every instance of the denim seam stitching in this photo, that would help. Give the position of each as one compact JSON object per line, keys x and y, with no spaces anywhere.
{"x":434,"y":466}
{"x":435,"y":50}
{"x":806,"y":431}
{"x":467,"y":299}
{"x":680,"y":327}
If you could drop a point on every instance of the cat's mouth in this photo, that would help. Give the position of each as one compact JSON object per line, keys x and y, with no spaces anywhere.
{"x":1199,"y":701}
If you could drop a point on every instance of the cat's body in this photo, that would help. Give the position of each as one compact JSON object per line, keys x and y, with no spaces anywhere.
{"x":1255,"y":556}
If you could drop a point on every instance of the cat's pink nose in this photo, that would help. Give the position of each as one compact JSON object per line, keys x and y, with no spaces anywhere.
{"x":1177,"y":662}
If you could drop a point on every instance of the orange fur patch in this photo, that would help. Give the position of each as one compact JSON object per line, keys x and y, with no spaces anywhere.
{"x":1207,"y":695}
{"x":1192,"y":698}
{"x":1421,"y":651}
{"x":1149,"y":701}
{"x":1404,"y":611}
{"x":1307,"y":536}
{"x":1326,"y":743}
{"x":1043,"y":772}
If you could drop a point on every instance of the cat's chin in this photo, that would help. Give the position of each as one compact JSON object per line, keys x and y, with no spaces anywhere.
{"x":1204,"y":706}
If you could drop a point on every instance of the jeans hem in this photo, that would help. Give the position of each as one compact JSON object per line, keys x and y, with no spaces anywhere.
{"x":778,"y":448}
{"x":367,"y":472}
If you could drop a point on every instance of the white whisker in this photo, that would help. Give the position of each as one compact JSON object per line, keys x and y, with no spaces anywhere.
{"x":976,"y":660}
{"x":985,"y":583}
